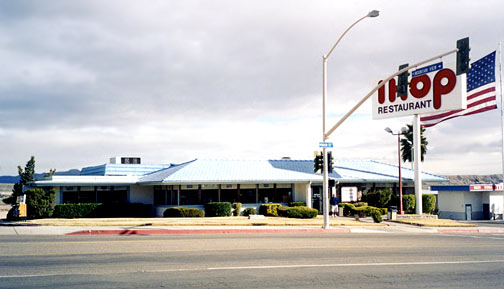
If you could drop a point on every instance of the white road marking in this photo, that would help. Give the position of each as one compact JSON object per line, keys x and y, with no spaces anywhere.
{"x":256,"y":267}
{"x":355,"y":265}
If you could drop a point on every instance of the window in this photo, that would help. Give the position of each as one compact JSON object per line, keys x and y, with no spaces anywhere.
{"x":248,"y":196}
{"x":165,"y":195}
{"x":112,"y":195}
{"x":189,"y":197}
{"x":229,"y":195}
{"x":209,"y":196}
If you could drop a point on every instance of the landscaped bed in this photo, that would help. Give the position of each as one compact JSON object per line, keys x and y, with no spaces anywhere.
{"x":206,"y":221}
{"x":433,"y":223}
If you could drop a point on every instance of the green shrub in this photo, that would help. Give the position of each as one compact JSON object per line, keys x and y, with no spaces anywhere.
{"x":297,"y":204}
{"x":218,"y":209}
{"x":40,"y":203}
{"x":394,"y":201}
{"x":408,"y":203}
{"x":237,"y":209}
{"x":175,"y":212}
{"x":428,"y":203}
{"x":361,"y":204}
{"x":249,"y":211}
{"x":71,"y":211}
{"x":99,"y":210}
{"x":361,"y":211}
{"x":370,"y":210}
{"x":379,"y":198}
{"x":376,"y":214}
{"x":297,"y":212}
{"x":269,"y":209}
{"x":282,"y":211}
{"x":348,"y":209}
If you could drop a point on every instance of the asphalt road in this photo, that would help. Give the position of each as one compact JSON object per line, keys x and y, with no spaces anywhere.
{"x":247,"y":261}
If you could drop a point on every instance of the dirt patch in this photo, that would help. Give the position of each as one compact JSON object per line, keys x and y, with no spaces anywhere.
{"x":213,"y":221}
{"x":433,"y":223}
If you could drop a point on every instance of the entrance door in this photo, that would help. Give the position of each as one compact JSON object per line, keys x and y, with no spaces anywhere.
{"x":486,"y":212}
{"x":468,"y":212}
{"x":317,"y":198}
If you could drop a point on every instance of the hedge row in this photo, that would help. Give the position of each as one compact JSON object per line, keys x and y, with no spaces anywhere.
{"x":428,"y":203}
{"x":70,"y":211}
{"x":409,"y":203}
{"x":249,"y":211}
{"x":218,"y":209}
{"x":175,"y":212}
{"x":363,"y":210}
{"x":269,"y":209}
{"x":99,"y":210}
{"x":297,"y":204}
{"x":297,"y":212}
{"x":237,"y":209}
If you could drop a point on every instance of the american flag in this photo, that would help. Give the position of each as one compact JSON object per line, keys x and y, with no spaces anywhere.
{"x":481,"y":95}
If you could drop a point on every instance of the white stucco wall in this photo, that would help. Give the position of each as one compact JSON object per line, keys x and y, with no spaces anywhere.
{"x":59,"y":195}
{"x":141,"y":194}
{"x":303,"y":193}
{"x":451,"y":205}
{"x":475,"y":199}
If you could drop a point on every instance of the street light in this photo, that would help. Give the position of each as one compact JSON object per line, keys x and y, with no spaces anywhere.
{"x":398,"y":134}
{"x":373,"y":13}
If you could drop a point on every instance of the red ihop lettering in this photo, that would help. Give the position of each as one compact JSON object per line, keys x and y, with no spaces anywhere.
{"x":438,"y":88}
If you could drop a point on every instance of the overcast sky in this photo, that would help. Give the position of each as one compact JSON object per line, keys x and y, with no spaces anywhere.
{"x":170,"y":81}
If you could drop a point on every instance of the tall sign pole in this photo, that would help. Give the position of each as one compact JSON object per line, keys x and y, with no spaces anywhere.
{"x":417,"y":149}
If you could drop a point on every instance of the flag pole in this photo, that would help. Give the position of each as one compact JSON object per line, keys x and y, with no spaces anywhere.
{"x":501,"y":108}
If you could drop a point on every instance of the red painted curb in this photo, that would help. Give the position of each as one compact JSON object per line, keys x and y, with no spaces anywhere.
{"x":471,"y":231}
{"x":206,"y":231}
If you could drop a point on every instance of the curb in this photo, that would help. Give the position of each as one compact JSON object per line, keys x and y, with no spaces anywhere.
{"x":471,"y":231}
{"x":206,"y":231}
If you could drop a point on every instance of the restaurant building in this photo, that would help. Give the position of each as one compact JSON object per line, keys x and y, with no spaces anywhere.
{"x":250,"y":182}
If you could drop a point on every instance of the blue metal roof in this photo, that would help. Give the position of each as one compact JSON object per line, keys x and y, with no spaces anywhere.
{"x":230,"y":171}
{"x":122,"y":169}
{"x":289,"y":171}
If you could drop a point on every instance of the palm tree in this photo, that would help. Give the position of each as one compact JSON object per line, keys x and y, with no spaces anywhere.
{"x":407,"y":144}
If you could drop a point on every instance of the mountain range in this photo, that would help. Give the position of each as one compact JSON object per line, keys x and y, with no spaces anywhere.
{"x":15,"y":179}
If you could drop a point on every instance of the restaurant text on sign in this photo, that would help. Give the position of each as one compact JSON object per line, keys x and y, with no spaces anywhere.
{"x":433,"y":89}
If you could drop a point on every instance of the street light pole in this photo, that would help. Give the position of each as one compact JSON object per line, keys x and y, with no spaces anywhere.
{"x":403,"y":131}
{"x":325,"y":189}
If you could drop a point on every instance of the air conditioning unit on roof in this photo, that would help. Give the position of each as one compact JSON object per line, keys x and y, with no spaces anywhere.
{"x":126,"y":160}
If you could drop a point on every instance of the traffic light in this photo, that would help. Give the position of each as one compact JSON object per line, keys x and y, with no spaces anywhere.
{"x":463,"y":55}
{"x":330,"y":162}
{"x":318,"y":162}
{"x":402,"y":85}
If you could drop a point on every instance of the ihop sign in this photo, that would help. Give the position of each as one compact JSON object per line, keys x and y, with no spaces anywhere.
{"x":432,"y":89}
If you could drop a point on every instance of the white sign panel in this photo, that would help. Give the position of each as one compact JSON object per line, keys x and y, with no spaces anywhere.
{"x":496,"y":204}
{"x":432,"y":89}
{"x":348,"y":194}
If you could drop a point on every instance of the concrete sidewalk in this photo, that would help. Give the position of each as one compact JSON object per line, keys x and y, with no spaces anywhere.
{"x":389,"y":228}
{"x":231,"y":225}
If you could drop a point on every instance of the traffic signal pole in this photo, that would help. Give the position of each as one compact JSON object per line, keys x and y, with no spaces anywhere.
{"x":325,"y":194}
{"x":325,"y":184}
{"x":353,"y":109}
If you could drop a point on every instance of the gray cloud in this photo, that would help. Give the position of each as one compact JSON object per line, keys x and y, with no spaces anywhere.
{"x":123,"y":65}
